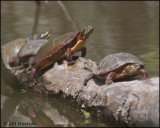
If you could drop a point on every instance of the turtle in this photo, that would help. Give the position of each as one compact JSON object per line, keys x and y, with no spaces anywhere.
{"x":116,"y":66}
{"x":11,"y":49}
{"x":29,"y":49}
{"x":59,"y":48}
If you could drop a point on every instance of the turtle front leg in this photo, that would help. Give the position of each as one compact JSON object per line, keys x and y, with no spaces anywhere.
{"x":90,"y":76}
{"x":84,"y":51}
{"x":69,"y":57}
{"x":32,"y":80}
{"x":33,"y":72}
{"x":144,"y":73}
{"x":110,"y":77}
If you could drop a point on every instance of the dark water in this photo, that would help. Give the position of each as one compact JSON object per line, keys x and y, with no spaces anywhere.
{"x":119,"y":27}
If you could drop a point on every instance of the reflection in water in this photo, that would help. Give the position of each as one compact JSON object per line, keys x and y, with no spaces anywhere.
{"x":37,"y":109}
{"x":36,"y":19}
{"x":123,"y":26}
{"x":68,"y":15}
{"x":32,"y":110}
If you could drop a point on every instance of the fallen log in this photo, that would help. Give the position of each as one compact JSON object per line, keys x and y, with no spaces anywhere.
{"x":133,"y":103}
{"x":136,"y":103}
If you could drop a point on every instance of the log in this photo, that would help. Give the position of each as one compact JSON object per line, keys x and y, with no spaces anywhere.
{"x":130,"y":103}
{"x":135,"y":103}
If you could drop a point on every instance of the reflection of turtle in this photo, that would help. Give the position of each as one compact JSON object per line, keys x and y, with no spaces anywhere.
{"x":117,"y":66}
{"x":29,"y":49}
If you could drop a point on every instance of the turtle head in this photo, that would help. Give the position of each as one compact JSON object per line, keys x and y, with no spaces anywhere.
{"x":132,"y":69}
{"x":87,"y":31}
{"x":81,"y":39}
{"x":45,"y":35}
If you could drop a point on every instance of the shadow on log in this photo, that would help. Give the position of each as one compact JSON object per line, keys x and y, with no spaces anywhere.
{"x":132,"y":103}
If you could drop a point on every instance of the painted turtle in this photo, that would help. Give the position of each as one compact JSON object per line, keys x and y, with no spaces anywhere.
{"x":117,"y":66}
{"x":29,"y":49}
{"x":11,"y":49}
{"x":60,"y":47}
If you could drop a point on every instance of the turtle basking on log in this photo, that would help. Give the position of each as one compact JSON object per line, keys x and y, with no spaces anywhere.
{"x":61,"y":47}
{"x":115,"y":67}
{"x":29,"y":49}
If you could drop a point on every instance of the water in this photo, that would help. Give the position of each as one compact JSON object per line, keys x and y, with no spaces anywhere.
{"x":123,"y":26}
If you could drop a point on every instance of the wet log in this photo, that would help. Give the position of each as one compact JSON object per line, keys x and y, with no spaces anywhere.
{"x":133,"y":103}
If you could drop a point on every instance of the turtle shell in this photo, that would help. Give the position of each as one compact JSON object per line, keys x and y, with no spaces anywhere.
{"x":11,"y":49}
{"x":31,"y":47}
{"x":61,"y":42}
{"x":116,"y":60}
